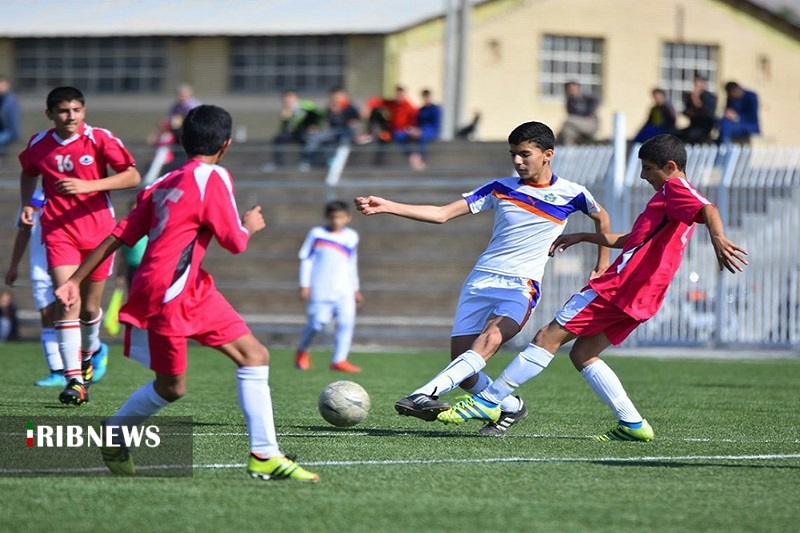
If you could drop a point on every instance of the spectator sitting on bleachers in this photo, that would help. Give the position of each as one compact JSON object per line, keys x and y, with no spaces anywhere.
{"x":385,"y":119}
{"x":700,"y":105}
{"x":427,"y":129}
{"x":342,"y":120}
{"x":298,"y":118}
{"x":660,"y":119}
{"x":740,"y":118}
{"x":582,"y":122}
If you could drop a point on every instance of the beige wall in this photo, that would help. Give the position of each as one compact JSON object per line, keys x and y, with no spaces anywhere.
{"x":505,"y":36}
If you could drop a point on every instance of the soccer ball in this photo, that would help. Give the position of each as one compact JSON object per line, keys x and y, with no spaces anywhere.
{"x":343,"y":403}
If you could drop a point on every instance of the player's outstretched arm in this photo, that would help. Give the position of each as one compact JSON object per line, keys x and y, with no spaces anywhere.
{"x":373,"y":205}
{"x":730,"y":256}
{"x":69,"y":293}
{"x":610,"y":240}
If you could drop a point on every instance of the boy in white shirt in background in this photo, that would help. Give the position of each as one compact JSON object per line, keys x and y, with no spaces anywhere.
{"x":329,"y":285}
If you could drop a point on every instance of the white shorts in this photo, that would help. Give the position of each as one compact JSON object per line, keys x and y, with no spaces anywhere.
{"x":42,"y":293}
{"x":485,"y":294}
{"x":321,"y":313}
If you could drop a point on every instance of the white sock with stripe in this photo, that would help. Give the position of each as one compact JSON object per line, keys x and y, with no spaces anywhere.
{"x":510,"y":404}
{"x":50,"y":348}
{"x":459,"y":369}
{"x":256,"y":403}
{"x":68,"y":335}
{"x":605,"y":383}
{"x":90,"y":336}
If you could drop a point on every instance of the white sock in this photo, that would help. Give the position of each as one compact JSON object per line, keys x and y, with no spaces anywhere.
{"x":525,"y":366}
{"x":50,"y":347}
{"x":143,"y":403}
{"x":90,"y":336}
{"x":483,"y":382}
{"x":605,"y":383}
{"x":459,"y":369}
{"x":256,"y":403}
{"x":68,"y":335}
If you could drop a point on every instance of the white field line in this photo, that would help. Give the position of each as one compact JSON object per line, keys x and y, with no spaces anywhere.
{"x":509,"y":436}
{"x":486,"y":460}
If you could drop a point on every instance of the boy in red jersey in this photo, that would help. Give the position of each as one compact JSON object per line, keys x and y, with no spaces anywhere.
{"x":172,"y":298}
{"x":72,"y":158}
{"x":628,"y":293}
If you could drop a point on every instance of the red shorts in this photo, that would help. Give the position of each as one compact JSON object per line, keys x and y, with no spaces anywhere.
{"x":587,"y":314}
{"x":64,"y":253}
{"x":167,"y":354}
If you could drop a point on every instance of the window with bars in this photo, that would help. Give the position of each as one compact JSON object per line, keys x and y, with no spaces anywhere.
{"x":565,"y":58}
{"x":274,"y":64}
{"x":679,"y":64}
{"x":93,"y":65}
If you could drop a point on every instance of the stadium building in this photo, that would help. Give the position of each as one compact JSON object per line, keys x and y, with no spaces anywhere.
{"x":516,"y":57}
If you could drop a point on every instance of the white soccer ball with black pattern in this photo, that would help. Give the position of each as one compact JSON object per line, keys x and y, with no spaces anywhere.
{"x":344,"y":403}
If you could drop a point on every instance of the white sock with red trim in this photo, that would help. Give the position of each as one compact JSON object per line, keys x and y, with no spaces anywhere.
{"x":90,"y":336}
{"x":68,"y":335}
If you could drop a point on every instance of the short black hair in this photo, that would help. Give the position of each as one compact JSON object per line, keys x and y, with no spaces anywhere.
{"x":731,"y":85}
{"x":537,"y":133}
{"x":205,"y":129}
{"x":335,"y":206}
{"x":662,"y":149}
{"x":64,"y":94}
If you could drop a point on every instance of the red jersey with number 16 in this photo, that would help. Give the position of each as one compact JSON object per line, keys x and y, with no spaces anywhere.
{"x":638,"y":279}
{"x":83,"y":219}
{"x":180,"y":213}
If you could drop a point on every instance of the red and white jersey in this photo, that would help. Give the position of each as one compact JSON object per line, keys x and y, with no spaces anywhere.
{"x":638,"y":279}
{"x":85,"y":219}
{"x":179,"y":212}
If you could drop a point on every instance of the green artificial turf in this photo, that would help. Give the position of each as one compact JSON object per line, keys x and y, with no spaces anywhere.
{"x":726,"y":456}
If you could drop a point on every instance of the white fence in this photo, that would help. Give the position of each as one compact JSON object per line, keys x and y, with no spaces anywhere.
{"x":757,"y":190}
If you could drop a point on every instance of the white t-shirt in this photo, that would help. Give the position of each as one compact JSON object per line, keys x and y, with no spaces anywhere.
{"x":526,"y":222}
{"x":329,"y":263}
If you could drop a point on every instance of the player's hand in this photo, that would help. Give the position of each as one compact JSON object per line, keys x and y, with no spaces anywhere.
{"x":359,"y":299}
{"x":370,"y":205}
{"x":68,"y":294}
{"x":730,"y":256}
{"x":26,"y":216}
{"x":11,"y":276}
{"x":74,"y":186}
{"x":253,"y":220}
{"x":563,"y":242}
{"x":304,"y":293}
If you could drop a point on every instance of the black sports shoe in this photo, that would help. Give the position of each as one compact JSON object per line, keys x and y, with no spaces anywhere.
{"x":421,"y":406}
{"x":506,"y":420}
{"x":75,"y":393}
{"x":87,"y":371}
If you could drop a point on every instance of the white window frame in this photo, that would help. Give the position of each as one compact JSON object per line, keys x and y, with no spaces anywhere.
{"x":566,"y":58}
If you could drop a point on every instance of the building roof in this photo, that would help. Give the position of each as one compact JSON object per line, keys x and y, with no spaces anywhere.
{"x":130,"y":18}
{"x":104,"y":18}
